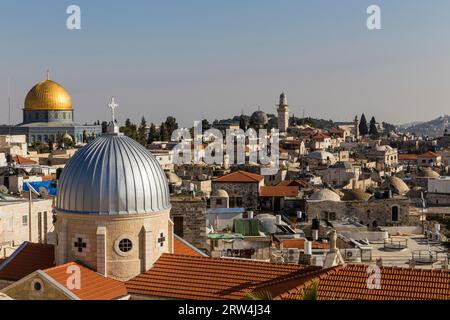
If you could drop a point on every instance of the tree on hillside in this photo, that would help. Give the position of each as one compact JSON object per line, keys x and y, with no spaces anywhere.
{"x":363,"y":129}
{"x":130,"y":130}
{"x":373,"y":131}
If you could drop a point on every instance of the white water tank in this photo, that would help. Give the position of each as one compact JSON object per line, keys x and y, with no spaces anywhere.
{"x":308,"y":247}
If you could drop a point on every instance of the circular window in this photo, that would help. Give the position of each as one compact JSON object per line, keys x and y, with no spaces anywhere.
{"x":125,"y":245}
{"x":37,"y":286}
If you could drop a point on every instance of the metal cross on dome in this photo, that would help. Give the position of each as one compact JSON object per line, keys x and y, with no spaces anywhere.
{"x":113,"y":105}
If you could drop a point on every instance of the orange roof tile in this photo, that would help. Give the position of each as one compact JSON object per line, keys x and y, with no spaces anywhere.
{"x":203,"y":278}
{"x":278,"y":191}
{"x":93,"y":286}
{"x":320,"y":136}
{"x":182,"y":247}
{"x":429,"y":154}
{"x":349,"y":282}
{"x":23,"y":160}
{"x":28,"y":258}
{"x":412,"y":157}
{"x":240,"y":177}
{"x":300,"y":244}
{"x":293,"y":183}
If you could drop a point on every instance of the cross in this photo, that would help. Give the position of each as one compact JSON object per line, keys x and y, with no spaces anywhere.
{"x":113,"y":105}
{"x":80,"y":245}
{"x":161,"y":240}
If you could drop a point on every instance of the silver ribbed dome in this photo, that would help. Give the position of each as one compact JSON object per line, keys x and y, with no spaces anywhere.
{"x":113,"y":175}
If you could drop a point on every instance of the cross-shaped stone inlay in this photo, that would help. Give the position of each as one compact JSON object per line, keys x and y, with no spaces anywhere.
{"x":80,"y":245}
{"x":161,"y":240}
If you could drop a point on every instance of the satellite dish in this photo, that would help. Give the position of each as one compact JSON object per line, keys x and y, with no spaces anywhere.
{"x":43,"y":191}
{"x":3,"y":189}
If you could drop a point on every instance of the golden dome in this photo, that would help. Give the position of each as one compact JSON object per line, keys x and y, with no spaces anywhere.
{"x":48,"y":95}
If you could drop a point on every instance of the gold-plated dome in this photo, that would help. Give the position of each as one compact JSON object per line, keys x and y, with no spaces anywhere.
{"x":48,"y":95}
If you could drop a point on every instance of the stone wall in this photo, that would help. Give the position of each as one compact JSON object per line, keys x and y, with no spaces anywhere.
{"x":249,"y":192}
{"x":192,"y":212}
{"x":373,"y":213}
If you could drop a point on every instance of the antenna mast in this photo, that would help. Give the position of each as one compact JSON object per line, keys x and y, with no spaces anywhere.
{"x":9,"y":110}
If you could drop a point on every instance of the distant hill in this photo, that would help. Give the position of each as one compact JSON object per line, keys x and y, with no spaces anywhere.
{"x":433,"y":128}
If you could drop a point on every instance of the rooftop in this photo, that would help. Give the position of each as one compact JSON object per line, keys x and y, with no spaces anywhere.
{"x":240,"y":177}
{"x":28,"y":258}
{"x":202,"y":278}
{"x":93,"y":285}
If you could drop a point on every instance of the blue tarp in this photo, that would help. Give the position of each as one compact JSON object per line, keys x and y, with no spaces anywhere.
{"x":46,"y":184}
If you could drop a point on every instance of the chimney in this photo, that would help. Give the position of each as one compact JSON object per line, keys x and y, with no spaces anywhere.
{"x":380,"y":262}
{"x":315,"y":235}
{"x":333,"y":241}
{"x":250,"y":214}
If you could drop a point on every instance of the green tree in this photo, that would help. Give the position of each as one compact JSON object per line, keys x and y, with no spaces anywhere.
{"x":363,"y":129}
{"x":206,"y":125}
{"x":373,"y":131}
{"x":85,"y":137}
{"x":171,"y":125}
{"x":242,"y":123}
{"x":163,"y":132}
{"x":130,"y":130}
{"x":142,"y":132}
{"x":153,"y":134}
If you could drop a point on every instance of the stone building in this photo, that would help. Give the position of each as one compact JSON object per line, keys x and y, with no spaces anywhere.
{"x":188,"y":214}
{"x":283,"y":114}
{"x":242,"y":188}
{"x":360,"y":206}
{"x":15,"y":222}
{"x":113,"y":208}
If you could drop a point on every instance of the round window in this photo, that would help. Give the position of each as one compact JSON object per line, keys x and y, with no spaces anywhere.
{"x":125,"y":245}
{"x":37,"y":286}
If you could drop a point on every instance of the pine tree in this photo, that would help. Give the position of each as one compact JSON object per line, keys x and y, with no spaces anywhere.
{"x":363,"y":129}
{"x":142,"y":132}
{"x":243,"y":123}
{"x":373,"y":128}
{"x":152,"y":134}
{"x":163,"y":132}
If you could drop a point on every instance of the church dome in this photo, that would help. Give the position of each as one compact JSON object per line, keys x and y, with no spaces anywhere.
{"x":113,"y":175}
{"x":48,"y":95}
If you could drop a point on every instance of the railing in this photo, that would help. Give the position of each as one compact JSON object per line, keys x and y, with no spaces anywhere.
{"x":424,"y":257}
{"x":395,"y":244}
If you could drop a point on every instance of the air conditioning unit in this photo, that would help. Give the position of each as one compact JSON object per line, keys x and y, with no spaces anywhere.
{"x":352,"y":255}
{"x":291,"y":255}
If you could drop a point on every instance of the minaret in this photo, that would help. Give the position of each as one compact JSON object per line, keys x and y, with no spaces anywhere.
{"x":356,"y":128}
{"x":283,"y":114}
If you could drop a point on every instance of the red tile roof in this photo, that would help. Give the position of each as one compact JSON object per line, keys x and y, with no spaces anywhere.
{"x":320,"y":136}
{"x":411,"y":157}
{"x":293,"y":183}
{"x":240,"y":177}
{"x":28,"y":258}
{"x":349,"y":282}
{"x":203,"y":278}
{"x":278,"y":191}
{"x":23,"y":160}
{"x":93,"y":286}
{"x":181,"y":247}
{"x":429,"y":154}
{"x":300,"y":244}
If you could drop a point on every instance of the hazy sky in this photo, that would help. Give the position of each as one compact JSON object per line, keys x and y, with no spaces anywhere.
{"x":198,"y":59}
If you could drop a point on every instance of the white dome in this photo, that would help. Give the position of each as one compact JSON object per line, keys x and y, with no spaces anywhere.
{"x":113,"y":175}
{"x":321,"y":155}
{"x":325,"y":195}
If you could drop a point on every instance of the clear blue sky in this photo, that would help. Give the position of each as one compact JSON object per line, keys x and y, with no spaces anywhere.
{"x":210,"y":59}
